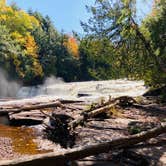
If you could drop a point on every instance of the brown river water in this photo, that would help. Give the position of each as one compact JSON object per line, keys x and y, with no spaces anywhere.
{"x":18,"y":141}
{"x":23,"y":141}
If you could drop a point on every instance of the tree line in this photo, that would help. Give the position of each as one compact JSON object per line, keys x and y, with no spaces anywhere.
{"x":114,"y":46}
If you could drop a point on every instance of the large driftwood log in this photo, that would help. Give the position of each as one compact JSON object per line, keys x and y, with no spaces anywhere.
{"x":91,"y":114}
{"x":32,"y":107}
{"x":102,"y":109}
{"x":105,"y":107}
{"x":34,"y":101}
{"x":21,"y":105}
{"x":52,"y":159}
{"x":27,"y":118}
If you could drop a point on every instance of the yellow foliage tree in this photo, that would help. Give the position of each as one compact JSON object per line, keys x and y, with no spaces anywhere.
{"x":30,"y":46}
{"x":20,"y":25}
{"x":2,"y":3}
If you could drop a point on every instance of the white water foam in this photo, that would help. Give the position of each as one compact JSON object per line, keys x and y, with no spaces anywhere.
{"x":88,"y":90}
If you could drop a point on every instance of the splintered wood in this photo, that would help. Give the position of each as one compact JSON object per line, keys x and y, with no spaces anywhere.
{"x":78,"y":121}
{"x":81,"y":152}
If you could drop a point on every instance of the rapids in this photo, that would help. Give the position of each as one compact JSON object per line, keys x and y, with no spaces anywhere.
{"x":86,"y":90}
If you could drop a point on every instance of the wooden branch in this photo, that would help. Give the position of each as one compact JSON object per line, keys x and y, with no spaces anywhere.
{"x":34,"y":101}
{"x":91,"y":114}
{"x":101,"y":110}
{"x":148,"y":46}
{"x":52,"y":159}
{"x":32,"y":107}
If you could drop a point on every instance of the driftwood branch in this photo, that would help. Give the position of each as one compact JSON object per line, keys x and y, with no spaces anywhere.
{"x":123,"y":101}
{"x":52,"y":159}
{"x":101,"y":110}
{"x":30,"y":104}
{"x":147,"y":44}
{"x":32,"y":107}
{"x":91,"y":114}
{"x":33,"y":101}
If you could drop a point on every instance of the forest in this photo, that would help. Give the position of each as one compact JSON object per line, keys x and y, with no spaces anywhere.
{"x":115,"y":45}
{"x":109,"y":106}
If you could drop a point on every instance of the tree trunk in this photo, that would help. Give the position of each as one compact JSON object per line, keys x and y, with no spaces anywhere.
{"x":91,"y":114}
{"x":32,"y":107}
{"x":52,"y":159}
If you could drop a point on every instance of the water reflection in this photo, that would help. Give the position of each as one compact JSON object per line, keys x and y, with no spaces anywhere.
{"x":22,"y":139}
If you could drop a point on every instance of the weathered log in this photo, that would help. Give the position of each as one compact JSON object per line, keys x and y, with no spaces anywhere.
{"x":27,"y":118}
{"x":122,"y":101}
{"x":12,"y":104}
{"x":70,"y":101}
{"x":102,"y":109}
{"x":52,"y":159}
{"x":80,"y":120}
{"x":32,"y":107}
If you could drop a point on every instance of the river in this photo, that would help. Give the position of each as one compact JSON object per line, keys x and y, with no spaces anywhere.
{"x":21,"y":141}
{"x":86,"y":90}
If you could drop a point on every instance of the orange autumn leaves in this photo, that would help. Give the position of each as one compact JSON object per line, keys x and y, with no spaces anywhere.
{"x":72,"y":46}
{"x":20,"y":26}
{"x":34,"y":43}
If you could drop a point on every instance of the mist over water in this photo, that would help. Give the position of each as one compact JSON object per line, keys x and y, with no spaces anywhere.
{"x":11,"y":88}
{"x":39,"y":90}
{"x":90,"y":90}
{"x":56,"y":87}
{"x":8,"y":88}
{"x":52,"y":80}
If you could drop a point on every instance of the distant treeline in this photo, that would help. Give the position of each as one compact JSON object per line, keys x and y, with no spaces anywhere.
{"x":114,"y":46}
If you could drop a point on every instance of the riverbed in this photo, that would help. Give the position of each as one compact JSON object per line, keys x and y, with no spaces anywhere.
{"x":24,"y":141}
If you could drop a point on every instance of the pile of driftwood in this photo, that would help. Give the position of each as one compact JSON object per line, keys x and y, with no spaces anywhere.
{"x":61,"y":128}
{"x":52,"y":159}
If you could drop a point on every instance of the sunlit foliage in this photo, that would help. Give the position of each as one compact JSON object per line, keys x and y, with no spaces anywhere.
{"x":20,"y":26}
{"x":72,"y":46}
{"x":115,"y":44}
{"x":140,"y":47}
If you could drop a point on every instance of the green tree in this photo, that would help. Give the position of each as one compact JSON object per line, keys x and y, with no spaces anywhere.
{"x":57,"y":56}
{"x":68,"y":66}
{"x":133,"y":43}
{"x":98,"y":59}
{"x":20,"y":25}
{"x":48,"y":41}
{"x":9,"y":49}
{"x":155,"y":29}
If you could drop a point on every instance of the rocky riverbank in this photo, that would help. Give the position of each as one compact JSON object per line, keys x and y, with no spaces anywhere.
{"x":116,"y":121}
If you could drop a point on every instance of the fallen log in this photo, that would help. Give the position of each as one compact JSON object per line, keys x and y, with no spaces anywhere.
{"x":52,"y":159}
{"x":102,"y":109}
{"x":32,"y":107}
{"x":27,"y":118}
{"x":123,"y":101}
{"x":86,"y":115}
{"x":34,"y":101}
{"x":16,"y":108}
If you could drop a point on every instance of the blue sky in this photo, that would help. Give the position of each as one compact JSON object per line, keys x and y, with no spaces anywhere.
{"x":66,"y":14}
